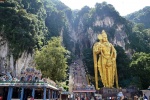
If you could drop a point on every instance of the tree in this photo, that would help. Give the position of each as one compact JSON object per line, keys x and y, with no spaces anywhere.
{"x":23,"y":30}
{"x":51,"y":60}
{"x":140,"y":67}
{"x":123,"y":62}
{"x":140,"y":39}
{"x":88,"y":61}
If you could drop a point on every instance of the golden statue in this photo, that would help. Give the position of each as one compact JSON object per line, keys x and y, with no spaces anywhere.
{"x":104,"y":55}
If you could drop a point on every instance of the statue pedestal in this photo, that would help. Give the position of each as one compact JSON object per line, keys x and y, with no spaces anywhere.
{"x":108,"y":92}
{"x":112,"y":92}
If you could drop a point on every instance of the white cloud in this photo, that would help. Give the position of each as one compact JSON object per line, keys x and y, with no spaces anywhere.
{"x":124,"y":7}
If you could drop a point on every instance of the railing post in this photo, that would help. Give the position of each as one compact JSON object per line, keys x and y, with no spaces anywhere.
{"x":22,"y":92}
{"x":44,"y":94}
{"x":10,"y":92}
{"x":49,"y":97}
{"x":33,"y":92}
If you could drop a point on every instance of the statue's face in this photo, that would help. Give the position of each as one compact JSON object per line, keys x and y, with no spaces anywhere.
{"x":105,"y":39}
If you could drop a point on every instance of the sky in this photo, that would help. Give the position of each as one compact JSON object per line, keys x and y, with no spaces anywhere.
{"x":124,"y":7}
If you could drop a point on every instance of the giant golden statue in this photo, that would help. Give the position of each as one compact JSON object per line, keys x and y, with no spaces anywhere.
{"x":104,"y":55}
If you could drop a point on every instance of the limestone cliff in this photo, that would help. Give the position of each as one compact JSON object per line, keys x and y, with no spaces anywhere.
{"x":87,"y":28}
{"x":7,"y":61}
{"x":78,"y":29}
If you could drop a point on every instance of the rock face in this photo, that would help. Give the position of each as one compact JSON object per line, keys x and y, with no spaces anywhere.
{"x":7,"y":62}
{"x":3,"y":54}
{"x":85,"y":38}
{"x":82,"y":32}
{"x":26,"y":60}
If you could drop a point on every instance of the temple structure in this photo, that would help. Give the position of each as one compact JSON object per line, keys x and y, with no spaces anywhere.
{"x":29,"y":84}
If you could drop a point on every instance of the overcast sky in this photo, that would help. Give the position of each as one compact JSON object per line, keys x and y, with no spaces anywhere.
{"x":124,"y":7}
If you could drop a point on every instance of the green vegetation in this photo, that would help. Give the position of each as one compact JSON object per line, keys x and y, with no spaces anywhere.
{"x":140,"y":68}
{"x":23,"y":23}
{"x":23,"y":30}
{"x":139,"y":39}
{"x":123,"y":68}
{"x":88,"y":60}
{"x":51,"y":60}
{"x":140,"y":45}
{"x":57,"y":19}
{"x":29,"y":24}
{"x":141,"y":16}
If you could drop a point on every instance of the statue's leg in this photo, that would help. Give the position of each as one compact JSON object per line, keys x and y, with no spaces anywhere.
{"x":104,"y":77}
{"x":105,"y":74}
{"x":107,"y":77}
{"x":101,"y":69}
{"x":110,"y":76}
{"x":113,"y":74}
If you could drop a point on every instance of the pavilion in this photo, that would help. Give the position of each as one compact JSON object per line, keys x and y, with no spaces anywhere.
{"x":29,"y":84}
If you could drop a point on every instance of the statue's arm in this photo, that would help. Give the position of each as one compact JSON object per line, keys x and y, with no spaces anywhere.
{"x":113,"y":54}
{"x":95,"y":52}
{"x":97,"y":48}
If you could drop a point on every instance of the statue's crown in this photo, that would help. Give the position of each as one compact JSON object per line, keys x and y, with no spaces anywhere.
{"x":104,"y":33}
